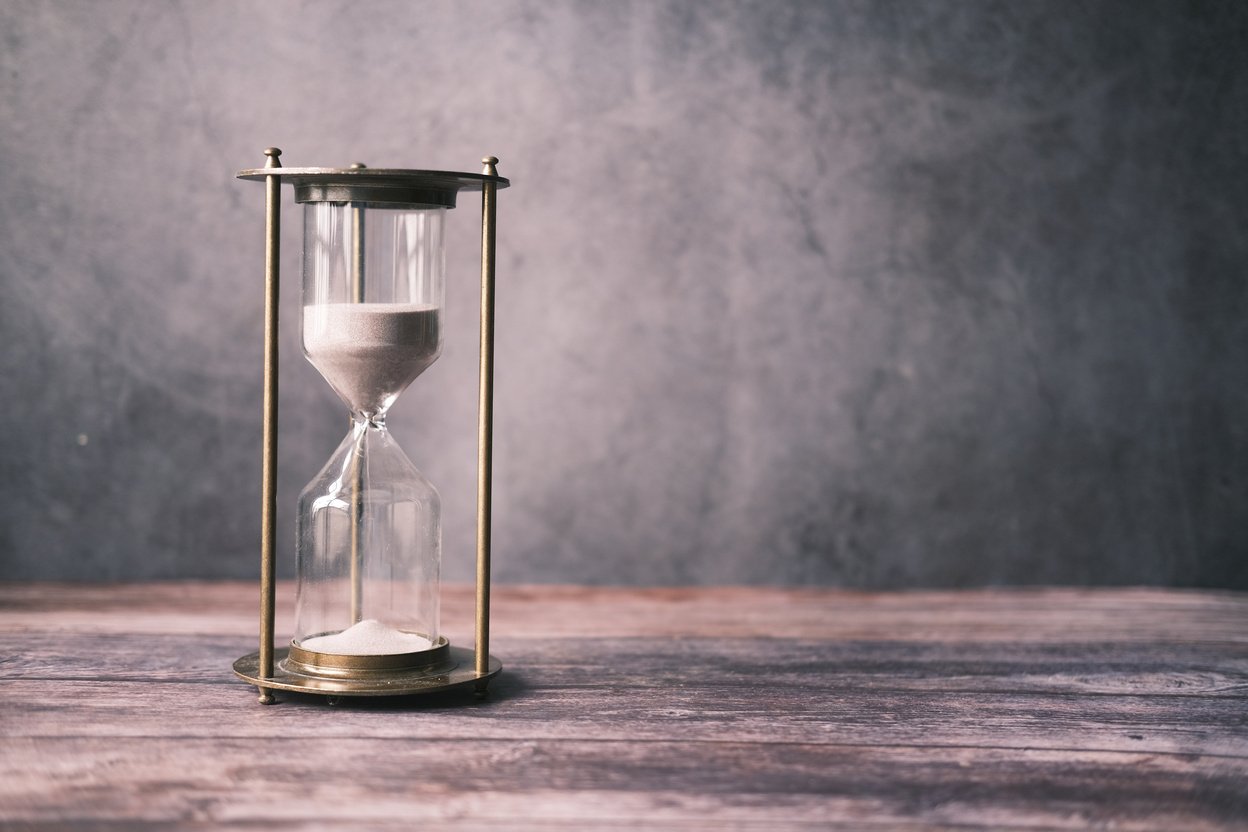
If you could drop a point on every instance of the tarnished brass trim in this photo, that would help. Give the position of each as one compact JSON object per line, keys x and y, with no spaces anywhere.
{"x":403,"y":177}
{"x":485,"y":416}
{"x":339,"y":666}
{"x":461,"y":675}
{"x":268,"y":487}
{"x":381,"y":187}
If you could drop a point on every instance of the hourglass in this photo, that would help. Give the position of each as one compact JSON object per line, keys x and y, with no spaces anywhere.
{"x":368,"y":541}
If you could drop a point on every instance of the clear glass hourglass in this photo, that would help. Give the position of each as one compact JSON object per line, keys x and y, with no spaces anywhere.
{"x":369,"y":536}
{"x":369,"y":545}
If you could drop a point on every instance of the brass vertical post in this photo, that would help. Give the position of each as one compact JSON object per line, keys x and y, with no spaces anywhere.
{"x":357,"y":246}
{"x":357,"y":473}
{"x":485,"y":420}
{"x":268,"y":486}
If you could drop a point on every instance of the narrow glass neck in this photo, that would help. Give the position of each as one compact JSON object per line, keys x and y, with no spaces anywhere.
{"x":361,"y":422}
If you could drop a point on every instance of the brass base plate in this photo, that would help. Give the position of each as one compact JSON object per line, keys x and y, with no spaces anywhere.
{"x":456,"y":673}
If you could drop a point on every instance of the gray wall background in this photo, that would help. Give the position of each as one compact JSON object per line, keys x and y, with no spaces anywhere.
{"x":864,"y":293}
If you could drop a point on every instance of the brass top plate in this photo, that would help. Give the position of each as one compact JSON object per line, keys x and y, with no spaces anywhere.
{"x":381,"y":187}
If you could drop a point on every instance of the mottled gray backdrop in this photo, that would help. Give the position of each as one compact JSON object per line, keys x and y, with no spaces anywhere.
{"x":862,"y":293}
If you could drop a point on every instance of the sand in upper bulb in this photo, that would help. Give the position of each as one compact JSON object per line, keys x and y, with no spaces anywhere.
{"x":370,"y":352}
{"x":367,"y":638}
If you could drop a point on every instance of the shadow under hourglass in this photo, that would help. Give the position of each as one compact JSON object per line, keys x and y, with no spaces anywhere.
{"x":504,"y":688}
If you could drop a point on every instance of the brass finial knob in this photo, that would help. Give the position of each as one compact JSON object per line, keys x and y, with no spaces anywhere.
{"x":490,"y":162}
{"x":272,"y":153}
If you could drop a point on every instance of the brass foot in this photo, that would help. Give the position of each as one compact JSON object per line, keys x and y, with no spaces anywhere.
{"x":266,"y":696}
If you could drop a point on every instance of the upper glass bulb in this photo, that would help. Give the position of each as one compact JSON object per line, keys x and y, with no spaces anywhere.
{"x":373,"y":294}
{"x":369,"y":535}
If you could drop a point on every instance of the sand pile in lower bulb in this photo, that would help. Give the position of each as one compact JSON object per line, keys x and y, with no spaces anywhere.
{"x":367,"y":638}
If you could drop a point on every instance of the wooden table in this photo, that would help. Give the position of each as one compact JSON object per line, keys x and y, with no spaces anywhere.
{"x":718,"y":709}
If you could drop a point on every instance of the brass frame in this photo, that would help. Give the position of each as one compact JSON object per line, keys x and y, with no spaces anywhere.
{"x":357,"y":474}
{"x":447,"y":667}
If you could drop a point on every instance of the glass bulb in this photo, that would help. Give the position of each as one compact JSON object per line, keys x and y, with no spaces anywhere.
{"x":369,"y":530}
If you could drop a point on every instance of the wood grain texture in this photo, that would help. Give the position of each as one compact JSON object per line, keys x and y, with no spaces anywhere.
{"x":684,"y":709}
{"x":1013,"y":616}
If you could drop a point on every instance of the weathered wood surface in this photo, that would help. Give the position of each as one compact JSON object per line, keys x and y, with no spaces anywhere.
{"x":682,"y":709}
{"x":1024,"y":615}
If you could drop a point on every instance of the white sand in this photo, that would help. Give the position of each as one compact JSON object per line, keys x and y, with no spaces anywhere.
{"x":367,"y":638}
{"x":370,"y":352}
